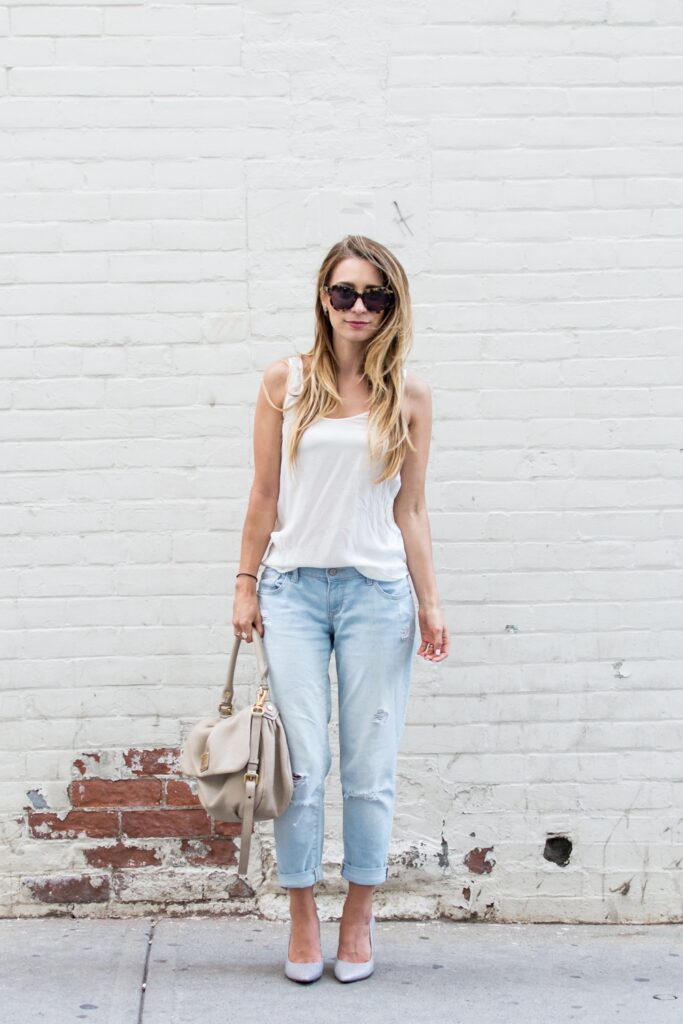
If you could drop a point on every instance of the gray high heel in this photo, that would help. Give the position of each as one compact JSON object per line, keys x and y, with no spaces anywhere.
{"x":346,"y":970}
{"x":305,"y":972}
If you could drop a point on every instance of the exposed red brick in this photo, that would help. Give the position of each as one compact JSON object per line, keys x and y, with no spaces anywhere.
{"x":116,"y":793}
{"x":74,"y":825}
{"x":121,"y":856}
{"x":160,"y":761}
{"x":81,"y":766}
{"x":476,"y":860}
{"x":153,"y":800}
{"x":240,"y":890}
{"x":209,"y":851}
{"x":179,"y":794}
{"x":70,"y":889}
{"x":165,"y":822}
{"x":227,"y":828}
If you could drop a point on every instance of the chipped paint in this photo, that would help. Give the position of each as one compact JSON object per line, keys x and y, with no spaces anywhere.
{"x":476,"y":860}
{"x":37,"y":798}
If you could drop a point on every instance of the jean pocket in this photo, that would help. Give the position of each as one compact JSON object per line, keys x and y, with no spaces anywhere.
{"x":272,"y":581}
{"x":393,"y":589}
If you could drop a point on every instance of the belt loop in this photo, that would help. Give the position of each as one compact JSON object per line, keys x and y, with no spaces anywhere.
{"x":295,"y":574}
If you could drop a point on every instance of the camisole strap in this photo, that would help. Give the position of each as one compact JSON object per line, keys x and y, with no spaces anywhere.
{"x":294,"y":380}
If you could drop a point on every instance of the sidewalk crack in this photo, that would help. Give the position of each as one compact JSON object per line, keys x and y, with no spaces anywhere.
{"x":145,"y":971}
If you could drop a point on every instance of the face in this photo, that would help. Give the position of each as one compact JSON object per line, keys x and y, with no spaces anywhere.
{"x":357,"y":323}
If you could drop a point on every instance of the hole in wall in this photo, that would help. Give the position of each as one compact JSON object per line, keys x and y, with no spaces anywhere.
{"x":558,"y":850}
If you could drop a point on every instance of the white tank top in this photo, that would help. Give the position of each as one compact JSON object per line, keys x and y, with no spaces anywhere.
{"x":329,"y":512}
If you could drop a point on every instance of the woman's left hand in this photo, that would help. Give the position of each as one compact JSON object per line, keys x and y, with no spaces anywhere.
{"x":435,"y":640}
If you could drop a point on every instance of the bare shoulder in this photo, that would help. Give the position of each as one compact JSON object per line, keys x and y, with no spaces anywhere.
{"x":417,"y":399}
{"x":275,"y":378}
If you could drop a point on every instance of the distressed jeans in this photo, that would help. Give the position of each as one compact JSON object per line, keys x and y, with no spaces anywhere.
{"x":371,"y":625}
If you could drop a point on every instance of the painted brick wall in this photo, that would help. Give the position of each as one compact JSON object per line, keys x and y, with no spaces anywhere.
{"x":172,"y":175}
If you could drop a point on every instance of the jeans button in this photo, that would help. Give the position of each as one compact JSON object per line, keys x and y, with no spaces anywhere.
{"x":333,"y":572}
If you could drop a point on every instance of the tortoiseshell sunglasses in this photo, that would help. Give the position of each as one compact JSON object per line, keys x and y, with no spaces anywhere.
{"x":375,"y":298}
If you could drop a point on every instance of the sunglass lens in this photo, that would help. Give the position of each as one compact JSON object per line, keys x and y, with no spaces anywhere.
{"x":342,"y":297}
{"x":375,"y":301}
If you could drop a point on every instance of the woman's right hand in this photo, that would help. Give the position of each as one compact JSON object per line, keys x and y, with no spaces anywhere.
{"x":245,"y":609}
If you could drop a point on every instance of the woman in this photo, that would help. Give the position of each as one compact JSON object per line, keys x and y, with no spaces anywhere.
{"x":341,"y":442}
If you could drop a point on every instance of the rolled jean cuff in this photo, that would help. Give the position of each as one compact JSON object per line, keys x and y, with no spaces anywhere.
{"x":364,"y":876}
{"x":301,"y":879}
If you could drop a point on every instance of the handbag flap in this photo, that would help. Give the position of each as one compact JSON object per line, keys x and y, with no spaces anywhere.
{"x":226,"y":741}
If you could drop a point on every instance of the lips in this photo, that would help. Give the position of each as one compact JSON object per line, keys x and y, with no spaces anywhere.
{"x":358,"y":323}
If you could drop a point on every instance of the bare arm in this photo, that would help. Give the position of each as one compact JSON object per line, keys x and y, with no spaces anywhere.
{"x":262,"y":506}
{"x":410,"y":513}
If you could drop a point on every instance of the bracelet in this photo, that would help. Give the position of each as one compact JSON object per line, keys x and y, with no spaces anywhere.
{"x":246,"y":574}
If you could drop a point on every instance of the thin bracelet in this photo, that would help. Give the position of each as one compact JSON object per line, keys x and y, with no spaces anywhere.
{"x":246,"y":574}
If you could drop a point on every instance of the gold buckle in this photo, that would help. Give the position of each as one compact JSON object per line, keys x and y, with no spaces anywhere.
{"x":204,"y":762}
{"x":225,"y":709}
{"x":260,"y":700}
{"x":248,"y":776}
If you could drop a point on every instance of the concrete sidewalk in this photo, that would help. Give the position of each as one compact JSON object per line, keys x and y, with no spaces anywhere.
{"x":224,"y":970}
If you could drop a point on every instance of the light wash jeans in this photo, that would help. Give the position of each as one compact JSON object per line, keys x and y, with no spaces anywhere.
{"x":371,"y":624}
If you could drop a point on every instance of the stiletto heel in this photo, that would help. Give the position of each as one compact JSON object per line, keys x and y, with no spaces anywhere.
{"x":346,"y":970}
{"x":304,"y":972}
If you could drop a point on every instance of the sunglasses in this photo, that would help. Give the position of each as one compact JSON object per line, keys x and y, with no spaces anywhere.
{"x":375,"y":299}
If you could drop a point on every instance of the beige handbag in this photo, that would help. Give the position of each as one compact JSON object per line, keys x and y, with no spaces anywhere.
{"x":241,"y":761}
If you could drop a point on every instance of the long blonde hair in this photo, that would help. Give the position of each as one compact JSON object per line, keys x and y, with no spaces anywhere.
{"x":385,"y":357}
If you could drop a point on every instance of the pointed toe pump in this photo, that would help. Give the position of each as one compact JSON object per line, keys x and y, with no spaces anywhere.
{"x":305,"y":972}
{"x":346,"y":970}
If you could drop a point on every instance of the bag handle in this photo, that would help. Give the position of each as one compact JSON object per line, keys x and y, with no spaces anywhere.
{"x":225,"y":706}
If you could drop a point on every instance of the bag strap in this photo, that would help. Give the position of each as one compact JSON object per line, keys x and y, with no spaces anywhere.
{"x":250,"y":778}
{"x":251,"y":775}
{"x":225,"y":706}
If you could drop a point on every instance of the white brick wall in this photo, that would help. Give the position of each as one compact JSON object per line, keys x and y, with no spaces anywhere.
{"x":172,"y":176}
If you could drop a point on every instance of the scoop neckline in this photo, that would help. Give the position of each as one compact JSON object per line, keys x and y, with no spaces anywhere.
{"x":333,"y":419}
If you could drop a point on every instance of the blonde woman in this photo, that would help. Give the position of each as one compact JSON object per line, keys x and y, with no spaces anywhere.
{"x":337,"y":518}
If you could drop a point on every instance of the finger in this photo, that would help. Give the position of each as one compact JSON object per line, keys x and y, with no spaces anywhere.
{"x":432,"y":645}
{"x":435,"y":646}
{"x":440,"y":641}
{"x":445,"y":648}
